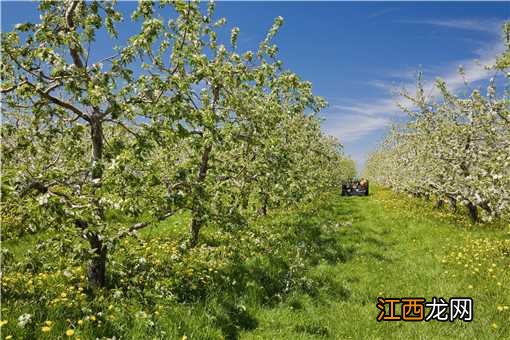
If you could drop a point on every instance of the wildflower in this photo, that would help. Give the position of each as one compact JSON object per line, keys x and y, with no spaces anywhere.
{"x":494,"y":325}
{"x":24,"y":319}
{"x":500,"y":308}
{"x":80,"y":322}
{"x":48,"y":323}
{"x":3,"y":322}
{"x":45,"y":329}
{"x":70,"y":332}
{"x":8,"y":337}
{"x":470,"y":286}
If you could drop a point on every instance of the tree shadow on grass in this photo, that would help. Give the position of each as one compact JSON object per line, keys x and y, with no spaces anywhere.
{"x":261,"y":264}
{"x":232,"y":319}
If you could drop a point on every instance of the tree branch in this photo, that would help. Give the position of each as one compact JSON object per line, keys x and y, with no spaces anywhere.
{"x":60,"y":102}
{"x":75,"y":55}
{"x":142,"y":225}
{"x":123,"y":126}
{"x":13,"y":87}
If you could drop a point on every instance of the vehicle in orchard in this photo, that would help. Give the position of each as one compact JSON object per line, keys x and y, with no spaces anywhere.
{"x":355,"y":187}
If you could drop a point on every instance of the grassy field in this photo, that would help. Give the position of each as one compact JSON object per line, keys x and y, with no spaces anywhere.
{"x":312,"y":272}
{"x":402,"y":248}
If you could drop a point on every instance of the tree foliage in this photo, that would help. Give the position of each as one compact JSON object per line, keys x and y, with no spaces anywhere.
{"x":455,"y":148}
{"x":174,"y":121}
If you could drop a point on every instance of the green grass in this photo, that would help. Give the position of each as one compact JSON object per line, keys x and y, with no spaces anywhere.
{"x":310,"y":272}
{"x":400,"y":245}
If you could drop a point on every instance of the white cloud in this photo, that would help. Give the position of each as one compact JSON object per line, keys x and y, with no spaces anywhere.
{"x":377,"y":107}
{"x":489,"y":26}
{"x":351,"y":127}
{"x":351,"y":121}
{"x":474,"y":71}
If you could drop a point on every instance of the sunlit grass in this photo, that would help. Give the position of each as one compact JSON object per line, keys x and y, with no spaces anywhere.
{"x":308,"y":272}
{"x":404,"y":248}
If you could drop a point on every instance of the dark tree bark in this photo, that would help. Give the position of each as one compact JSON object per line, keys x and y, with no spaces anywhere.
{"x":439,"y":203}
{"x":473,"y":212}
{"x":97,"y":267}
{"x":197,"y":208}
{"x":453,"y":203}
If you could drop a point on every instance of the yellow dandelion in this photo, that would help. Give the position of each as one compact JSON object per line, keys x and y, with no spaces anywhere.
{"x":63,"y":295}
{"x":184,"y":337}
{"x":494,"y":325}
{"x":45,"y":329}
{"x":48,"y":323}
{"x":8,"y":337}
{"x":93,"y":318}
{"x":3,"y":322}
{"x":80,"y":322}
{"x":500,"y":308}
{"x":70,"y":332}
{"x":470,"y":286}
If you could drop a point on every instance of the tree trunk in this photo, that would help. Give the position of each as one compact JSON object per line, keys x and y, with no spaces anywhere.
{"x":439,"y":203}
{"x":453,"y":203}
{"x":97,"y":267}
{"x":473,"y":212}
{"x":195,"y":226}
{"x":197,"y":208}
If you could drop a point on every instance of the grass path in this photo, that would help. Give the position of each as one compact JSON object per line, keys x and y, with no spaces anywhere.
{"x":402,"y":248}
{"x":308,"y":272}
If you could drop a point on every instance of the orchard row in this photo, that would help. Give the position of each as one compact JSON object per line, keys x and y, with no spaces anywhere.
{"x":172,"y":122}
{"x":455,"y":149}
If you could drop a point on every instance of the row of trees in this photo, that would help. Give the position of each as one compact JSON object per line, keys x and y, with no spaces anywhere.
{"x":455,"y":149}
{"x":174,"y":121}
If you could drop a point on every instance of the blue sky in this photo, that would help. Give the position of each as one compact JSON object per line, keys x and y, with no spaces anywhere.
{"x":356,"y":54}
